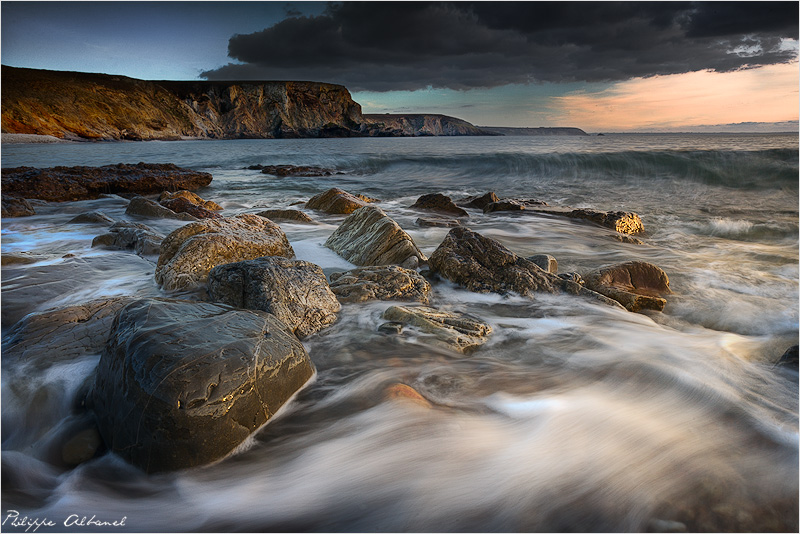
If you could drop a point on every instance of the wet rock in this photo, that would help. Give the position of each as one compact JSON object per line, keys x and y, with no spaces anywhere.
{"x":405,"y":393}
{"x":365,"y":198}
{"x":286,"y":215}
{"x":503,"y":205}
{"x":92,"y":217}
{"x":295,"y":291}
{"x":144,"y":207}
{"x":387,"y":282}
{"x":457,"y":331}
{"x":637,"y":285}
{"x":369,"y":237}
{"x":622,"y":238}
{"x":82,"y":447}
{"x":439,"y":222}
{"x":482,"y":264}
{"x":183,"y":205}
{"x":15,"y":207}
{"x":291,"y":170}
{"x":622,"y":221}
{"x":547,"y":262}
{"x":789,"y":358}
{"x":79,"y":183}
{"x":130,"y":235}
{"x":21,"y":258}
{"x":336,"y":201}
{"x":572,"y":277}
{"x":190,"y":252}
{"x":391,"y":328}
{"x":479,"y":202}
{"x":182,"y":384}
{"x":439,"y":202}
{"x":191,"y":197}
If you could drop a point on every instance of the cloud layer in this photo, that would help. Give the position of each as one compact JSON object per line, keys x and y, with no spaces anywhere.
{"x":383,"y":46}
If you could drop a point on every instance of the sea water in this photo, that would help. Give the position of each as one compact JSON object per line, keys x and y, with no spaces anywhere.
{"x":574,"y":416}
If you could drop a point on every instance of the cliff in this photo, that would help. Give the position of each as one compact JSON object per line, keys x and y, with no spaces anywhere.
{"x":74,"y":105}
{"x":414,"y":125}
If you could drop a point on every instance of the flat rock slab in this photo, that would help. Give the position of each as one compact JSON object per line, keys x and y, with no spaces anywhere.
{"x":295,"y":291}
{"x":387,"y":282}
{"x":189,"y":253}
{"x":483,"y":265}
{"x":370,"y":237}
{"x":637,"y":285}
{"x":337,"y":202}
{"x":61,"y":184}
{"x":457,"y":331}
{"x":182,"y":384}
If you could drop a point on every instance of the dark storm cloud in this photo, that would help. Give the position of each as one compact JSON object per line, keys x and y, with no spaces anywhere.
{"x":383,"y":46}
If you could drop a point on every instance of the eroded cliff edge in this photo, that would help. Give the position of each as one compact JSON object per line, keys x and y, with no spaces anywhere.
{"x":75,"y":105}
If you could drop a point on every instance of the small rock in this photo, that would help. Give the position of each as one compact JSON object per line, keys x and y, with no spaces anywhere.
{"x":391,"y":328}
{"x":547,"y":262}
{"x":503,"y":205}
{"x":191,"y":197}
{"x":637,"y":285}
{"x":457,"y":331}
{"x":380,"y":282}
{"x":291,"y":170}
{"x":622,"y":221}
{"x":439,"y":202}
{"x":479,"y":202}
{"x":130,"y":235}
{"x":370,"y":237}
{"x":92,"y":217}
{"x":572,"y":277}
{"x":183,"y":205}
{"x":336,"y":201}
{"x":789,"y":358}
{"x":437,"y":222}
{"x":406,"y":393}
{"x":82,"y":447}
{"x":286,"y":215}
{"x":144,"y":207}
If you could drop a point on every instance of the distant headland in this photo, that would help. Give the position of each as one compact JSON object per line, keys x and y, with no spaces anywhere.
{"x":86,"y":106}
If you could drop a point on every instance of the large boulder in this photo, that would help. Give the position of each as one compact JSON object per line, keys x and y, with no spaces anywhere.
{"x":454,"y":330}
{"x":130,"y":235}
{"x":191,"y":197}
{"x":295,"y":291}
{"x":439,"y":202}
{"x":181,"y":384}
{"x":637,"y":285}
{"x":144,"y":207}
{"x":387,"y":282}
{"x":370,"y":237}
{"x":484,"y":265}
{"x":337,"y":202}
{"x":190,"y":252}
{"x":79,"y":183}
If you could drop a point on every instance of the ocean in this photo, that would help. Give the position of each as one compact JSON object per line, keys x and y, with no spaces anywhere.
{"x":573,"y":416}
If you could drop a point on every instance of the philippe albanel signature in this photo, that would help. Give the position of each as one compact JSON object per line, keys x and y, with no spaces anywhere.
{"x":77,"y":521}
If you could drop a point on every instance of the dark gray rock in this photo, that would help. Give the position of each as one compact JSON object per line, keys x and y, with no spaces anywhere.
{"x":295,"y":291}
{"x":479,"y":202}
{"x":789,"y":358}
{"x":386,"y":282}
{"x":482,"y":264}
{"x":92,"y":217}
{"x":547,"y":262}
{"x":144,"y":207}
{"x":182,"y":384}
{"x":130,"y":235}
{"x":439,"y":202}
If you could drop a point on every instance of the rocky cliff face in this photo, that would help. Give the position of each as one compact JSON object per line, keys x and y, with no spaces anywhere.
{"x":96,"y":106}
{"x":419,"y":125}
{"x":74,"y":105}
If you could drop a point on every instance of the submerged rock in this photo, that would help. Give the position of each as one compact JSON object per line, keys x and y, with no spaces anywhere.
{"x":190,"y":252}
{"x":437,"y":222}
{"x":144,"y":207}
{"x":403,"y":392}
{"x":439,"y":202}
{"x":479,"y":202}
{"x":286,"y":215}
{"x":482,"y":264}
{"x":82,"y":447}
{"x":92,"y":217}
{"x":457,"y":331}
{"x":370,"y":237}
{"x":295,"y":291}
{"x":336,"y":201}
{"x":789,"y":358}
{"x":182,"y":384}
{"x":130,"y":235}
{"x":623,"y":222}
{"x":380,"y":282}
{"x":191,"y":197}
{"x":637,"y":285}
{"x":60,"y":184}
{"x":15,"y":207}
{"x":291,"y":170}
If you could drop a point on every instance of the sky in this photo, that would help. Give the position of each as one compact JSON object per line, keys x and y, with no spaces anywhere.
{"x":599,"y":66}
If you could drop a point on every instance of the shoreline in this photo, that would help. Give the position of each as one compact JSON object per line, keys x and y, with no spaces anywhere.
{"x":19,"y":139}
